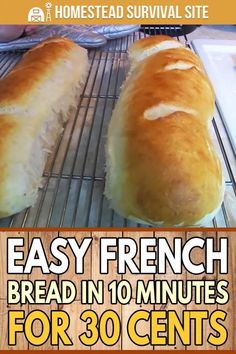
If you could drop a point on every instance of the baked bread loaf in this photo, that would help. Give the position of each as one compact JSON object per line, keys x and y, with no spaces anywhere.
{"x":35,"y":99}
{"x":162,"y":168}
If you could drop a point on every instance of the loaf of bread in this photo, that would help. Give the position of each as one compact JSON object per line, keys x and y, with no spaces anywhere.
{"x":35,"y":99}
{"x":162,"y":168}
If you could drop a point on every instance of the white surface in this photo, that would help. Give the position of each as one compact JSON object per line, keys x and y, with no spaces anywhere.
{"x":219,"y":59}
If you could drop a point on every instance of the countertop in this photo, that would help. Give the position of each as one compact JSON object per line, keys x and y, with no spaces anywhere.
{"x":213,"y":32}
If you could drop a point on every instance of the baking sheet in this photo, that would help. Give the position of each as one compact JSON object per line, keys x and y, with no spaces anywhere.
{"x":219,"y":59}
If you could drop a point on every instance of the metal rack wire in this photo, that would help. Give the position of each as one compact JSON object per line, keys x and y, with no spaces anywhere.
{"x":74,"y":177}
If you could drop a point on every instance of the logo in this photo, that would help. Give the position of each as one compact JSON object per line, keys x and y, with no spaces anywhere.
{"x":36,"y":14}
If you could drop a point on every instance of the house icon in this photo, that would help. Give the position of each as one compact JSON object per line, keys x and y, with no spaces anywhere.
{"x":36,"y":15}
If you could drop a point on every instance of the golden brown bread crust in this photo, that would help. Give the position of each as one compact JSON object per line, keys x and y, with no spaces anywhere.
{"x":27,"y":76}
{"x":35,"y":98}
{"x":150,"y":45}
{"x":187,"y":89}
{"x":169,"y":58}
{"x":16,"y":141}
{"x":164,"y":176}
{"x":150,"y":42}
{"x":161,"y":165}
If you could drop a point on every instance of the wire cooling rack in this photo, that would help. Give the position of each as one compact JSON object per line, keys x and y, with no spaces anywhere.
{"x":74,"y":177}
